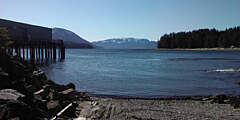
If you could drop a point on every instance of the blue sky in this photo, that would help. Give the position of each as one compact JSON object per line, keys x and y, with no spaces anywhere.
{"x":102,"y":19}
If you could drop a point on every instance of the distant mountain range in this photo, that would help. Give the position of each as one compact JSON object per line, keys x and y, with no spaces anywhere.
{"x":70,"y":39}
{"x":126,"y":43}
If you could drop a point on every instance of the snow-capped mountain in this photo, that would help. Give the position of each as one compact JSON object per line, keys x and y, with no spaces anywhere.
{"x":70,"y":39}
{"x":126,"y":43}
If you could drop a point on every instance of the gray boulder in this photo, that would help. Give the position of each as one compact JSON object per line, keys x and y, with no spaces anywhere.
{"x":10,"y":94}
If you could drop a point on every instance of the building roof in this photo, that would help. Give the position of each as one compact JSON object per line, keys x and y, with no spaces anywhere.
{"x":22,"y":23}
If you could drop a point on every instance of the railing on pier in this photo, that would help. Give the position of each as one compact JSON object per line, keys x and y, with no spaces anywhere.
{"x":38,"y":51}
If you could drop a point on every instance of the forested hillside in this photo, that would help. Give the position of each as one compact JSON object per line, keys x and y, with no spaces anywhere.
{"x":202,"y":38}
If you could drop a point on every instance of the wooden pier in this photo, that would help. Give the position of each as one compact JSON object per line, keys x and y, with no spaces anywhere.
{"x":32,"y":42}
{"x":39,"y":51}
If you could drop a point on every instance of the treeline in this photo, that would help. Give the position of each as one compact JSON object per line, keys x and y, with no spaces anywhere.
{"x":202,"y":38}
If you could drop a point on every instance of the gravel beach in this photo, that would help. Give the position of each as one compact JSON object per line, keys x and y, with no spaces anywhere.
{"x":137,"y":109}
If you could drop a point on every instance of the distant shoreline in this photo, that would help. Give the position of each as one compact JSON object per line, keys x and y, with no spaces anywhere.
{"x":202,"y":49}
{"x":163,"y":97}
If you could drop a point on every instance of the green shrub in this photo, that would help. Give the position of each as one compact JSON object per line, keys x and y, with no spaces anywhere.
{"x":5,"y":40}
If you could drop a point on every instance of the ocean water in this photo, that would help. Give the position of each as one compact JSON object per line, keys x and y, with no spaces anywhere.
{"x":148,"y":73}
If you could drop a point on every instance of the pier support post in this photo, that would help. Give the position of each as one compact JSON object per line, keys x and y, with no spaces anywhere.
{"x":54,"y":51}
{"x":45,"y":46}
{"x":62,"y":50}
{"x":42,"y":51}
{"x":27,"y":47}
{"x":39,"y":51}
{"x":23,"y":51}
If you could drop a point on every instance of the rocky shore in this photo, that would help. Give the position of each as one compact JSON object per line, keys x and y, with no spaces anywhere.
{"x":27,"y":94}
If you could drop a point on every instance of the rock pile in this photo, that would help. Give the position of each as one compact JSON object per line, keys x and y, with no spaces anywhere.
{"x":27,"y":94}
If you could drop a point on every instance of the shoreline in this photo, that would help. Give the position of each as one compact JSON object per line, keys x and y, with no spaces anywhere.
{"x":201,"y":49}
{"x":30,"y":89}
{"x":149,"y":98}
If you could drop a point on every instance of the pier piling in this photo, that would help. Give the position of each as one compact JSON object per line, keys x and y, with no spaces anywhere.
{"x":38,"y":51}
